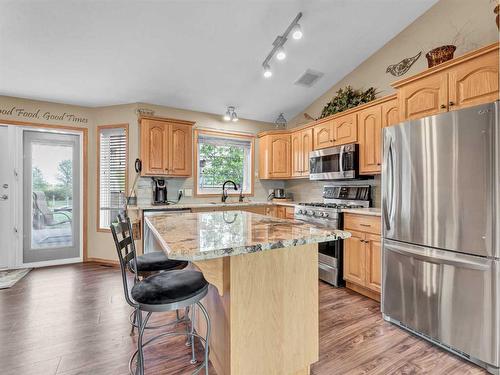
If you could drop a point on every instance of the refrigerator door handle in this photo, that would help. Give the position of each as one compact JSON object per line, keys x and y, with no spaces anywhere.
{"x":388,"y":159}
{"x":437,"y":258}
{"x":341,"y":161}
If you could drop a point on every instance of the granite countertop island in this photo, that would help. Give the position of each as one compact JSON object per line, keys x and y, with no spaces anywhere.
{"x":263,"y":298}
{"x":209,"y":235}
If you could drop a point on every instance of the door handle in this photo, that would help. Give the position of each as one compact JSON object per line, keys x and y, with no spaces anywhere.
{"x":341,"y":160}
{"x":387,"y":161}
{"x":435,"y":257}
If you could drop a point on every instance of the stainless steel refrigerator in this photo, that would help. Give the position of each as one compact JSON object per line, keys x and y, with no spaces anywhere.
{"x":441,"y":230}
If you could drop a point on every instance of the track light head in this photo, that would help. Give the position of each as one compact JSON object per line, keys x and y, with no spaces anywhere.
{"x":297,"y":32}
{"x":267,"y":71}
{"x":280,"y":53}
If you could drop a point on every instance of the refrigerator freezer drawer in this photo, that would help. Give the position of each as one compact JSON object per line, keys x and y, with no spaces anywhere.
{"x":451,"y":298}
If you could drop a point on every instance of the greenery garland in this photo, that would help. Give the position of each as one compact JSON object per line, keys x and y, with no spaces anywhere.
{"x":348,"y":98}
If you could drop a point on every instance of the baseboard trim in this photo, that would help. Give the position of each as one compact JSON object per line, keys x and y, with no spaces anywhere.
{"x":109,"y":262}
{"x":364,"y":291}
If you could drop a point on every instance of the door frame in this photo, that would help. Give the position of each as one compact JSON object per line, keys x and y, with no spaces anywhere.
{"x":17,"y":222}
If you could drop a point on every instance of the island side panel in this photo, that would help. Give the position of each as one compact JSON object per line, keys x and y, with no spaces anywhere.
{"x":274,"y":322}
{"x":217,"y":303}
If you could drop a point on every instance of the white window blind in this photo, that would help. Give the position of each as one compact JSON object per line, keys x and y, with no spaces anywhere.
{"x":112,"y":174}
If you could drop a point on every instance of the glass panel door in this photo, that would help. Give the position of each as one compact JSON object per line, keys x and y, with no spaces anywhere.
{"x":51,"y":196}
{"x":5,"y":199}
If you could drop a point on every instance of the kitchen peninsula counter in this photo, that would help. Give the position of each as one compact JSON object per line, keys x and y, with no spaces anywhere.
{"x":263,"y":301}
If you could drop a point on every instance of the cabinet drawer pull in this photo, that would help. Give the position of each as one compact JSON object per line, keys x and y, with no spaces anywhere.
{"x":443,"y":106}
{"x":365,"y":225}
{"x":451,"y":103}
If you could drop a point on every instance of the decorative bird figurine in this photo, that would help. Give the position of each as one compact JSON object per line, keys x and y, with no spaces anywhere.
{"x":403,"y":66}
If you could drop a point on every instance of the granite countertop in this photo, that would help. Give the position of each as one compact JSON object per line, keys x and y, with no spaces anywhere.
{"x":177,"y":206}
{"x":209,"y":235}
{"x":372,"y":211}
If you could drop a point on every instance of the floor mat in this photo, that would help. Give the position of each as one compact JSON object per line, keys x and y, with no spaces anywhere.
{"x":11,"y":277}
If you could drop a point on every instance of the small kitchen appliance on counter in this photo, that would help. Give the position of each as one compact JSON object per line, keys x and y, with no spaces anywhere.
{"x":159,"y":191}
{"x":328,"y":213}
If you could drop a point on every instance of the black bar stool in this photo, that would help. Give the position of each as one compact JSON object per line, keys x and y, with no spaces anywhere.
{"x":146,"y":265}
{"x":164,"y":291}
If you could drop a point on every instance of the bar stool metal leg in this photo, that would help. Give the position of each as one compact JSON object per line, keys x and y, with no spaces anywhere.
{"x":134,"y":323}
{"x":191,"y":338}
{"x":207,"y":336}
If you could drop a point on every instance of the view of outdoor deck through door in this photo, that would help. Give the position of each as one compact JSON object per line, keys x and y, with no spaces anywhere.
{"x":51,"y":196}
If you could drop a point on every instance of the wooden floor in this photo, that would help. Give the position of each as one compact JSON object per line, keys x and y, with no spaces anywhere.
{"x":73,"y":320}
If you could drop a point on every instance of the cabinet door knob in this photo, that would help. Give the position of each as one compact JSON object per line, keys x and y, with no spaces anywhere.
{"x":443,"y":106}
{"x":451,"y":103}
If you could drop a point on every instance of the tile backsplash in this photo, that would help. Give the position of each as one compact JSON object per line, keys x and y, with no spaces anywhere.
{"x":144,"y":190}
{"x":311,"y":191}
{"x":302,"y":190}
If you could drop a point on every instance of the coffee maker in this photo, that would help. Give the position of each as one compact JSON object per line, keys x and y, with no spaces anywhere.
{"x":159,"y":191}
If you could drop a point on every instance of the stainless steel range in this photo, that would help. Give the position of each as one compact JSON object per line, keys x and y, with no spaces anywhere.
{"x":329,"y":213}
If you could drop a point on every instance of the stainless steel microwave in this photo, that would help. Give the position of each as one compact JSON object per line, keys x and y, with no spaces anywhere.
{"x":334,"y":163}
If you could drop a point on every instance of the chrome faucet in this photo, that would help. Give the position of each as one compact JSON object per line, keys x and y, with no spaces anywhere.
{"x":224,"y":192}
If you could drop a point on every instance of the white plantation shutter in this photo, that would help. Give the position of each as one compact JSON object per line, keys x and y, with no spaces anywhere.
{"x":112,"y":174}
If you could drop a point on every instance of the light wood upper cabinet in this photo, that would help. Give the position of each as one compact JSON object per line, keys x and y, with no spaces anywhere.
{"x":306,"y":136}
{"x":345,"y":129}
{"x":355,"y":258}
{"x":474,"y":82}
{"x":154,"y":147}
{"x":390,"y":113}
{"x":373,"y":262}
{"x":275,"y":156}
{"x":323,"y":135}
{"x":181,"y":139}
{"x":370,"y":140}
{"x":166,"y":147}
{"x":280,"y":156}
{"x":297,"y":160}
{"x":468,"y":80}
{"x":302,"y":144}
{"x":424,"y":97}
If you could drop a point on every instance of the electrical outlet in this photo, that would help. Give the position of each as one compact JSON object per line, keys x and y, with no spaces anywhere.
{"x":188,"y":192}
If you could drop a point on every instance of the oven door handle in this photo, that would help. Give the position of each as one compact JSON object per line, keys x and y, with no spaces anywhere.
{"x":341,"y":161}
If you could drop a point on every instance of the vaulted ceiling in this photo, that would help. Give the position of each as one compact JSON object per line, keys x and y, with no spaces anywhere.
{"x":198,"y":55}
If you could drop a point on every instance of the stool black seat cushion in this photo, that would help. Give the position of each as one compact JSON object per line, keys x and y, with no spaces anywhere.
{"x":169,"y":287}
{"x":157,"y":261}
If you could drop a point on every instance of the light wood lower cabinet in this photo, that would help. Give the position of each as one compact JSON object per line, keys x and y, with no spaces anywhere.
{"x":362,"y":255}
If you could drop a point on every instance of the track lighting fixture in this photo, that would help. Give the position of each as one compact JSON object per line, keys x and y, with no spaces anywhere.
{"x":230,"y":114}
{"x":278,"y":44}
